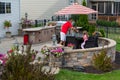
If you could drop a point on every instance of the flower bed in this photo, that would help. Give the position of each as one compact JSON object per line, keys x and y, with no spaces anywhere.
{"x":56,"y":51}
{"x":53,"y":55}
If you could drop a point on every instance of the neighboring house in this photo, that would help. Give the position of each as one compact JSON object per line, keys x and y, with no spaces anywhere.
{"x":43,"y":9}
{"x":9,"y":10}
{"x":107,"y":9}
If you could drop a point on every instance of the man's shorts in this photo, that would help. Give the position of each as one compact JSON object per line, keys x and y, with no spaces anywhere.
{"x":62,"y":36}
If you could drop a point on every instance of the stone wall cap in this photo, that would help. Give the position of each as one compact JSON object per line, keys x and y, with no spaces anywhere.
{"x":38,"y":28}
{"x":111,"y":42}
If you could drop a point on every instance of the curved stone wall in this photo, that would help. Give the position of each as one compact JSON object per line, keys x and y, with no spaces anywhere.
{"x":83,"y":57}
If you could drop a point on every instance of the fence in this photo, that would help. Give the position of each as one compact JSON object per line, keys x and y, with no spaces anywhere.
{"x":112,"y":33}
{"x":108,"y":18}
{"x":108,"y":30}
{"x":43,"y":22}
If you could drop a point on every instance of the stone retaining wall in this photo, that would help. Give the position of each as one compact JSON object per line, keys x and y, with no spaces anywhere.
{"x":83,"y":57}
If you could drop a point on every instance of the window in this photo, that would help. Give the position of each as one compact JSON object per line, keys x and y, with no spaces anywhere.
{"x":2,"y":7}
{"x":117,"y":8}
{"x":5,"y":7}
{"x":8,"y":8}
{"x":101,"y":7}
{"x":108,"y":8}
{"x":93,"y":15}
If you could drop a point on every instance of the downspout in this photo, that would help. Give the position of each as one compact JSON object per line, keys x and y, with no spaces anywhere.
{"x":19,"y":10}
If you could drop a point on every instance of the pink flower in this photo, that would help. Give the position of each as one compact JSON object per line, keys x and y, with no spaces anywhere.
{"x":70,"y":45}
{"x":57,"y":51}
{"x":3,"y":58}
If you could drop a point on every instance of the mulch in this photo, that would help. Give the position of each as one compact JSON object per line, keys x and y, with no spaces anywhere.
{"x":116,"y":66}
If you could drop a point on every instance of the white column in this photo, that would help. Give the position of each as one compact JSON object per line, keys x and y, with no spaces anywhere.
{"x":104,"y":7}
{"x":112,"y":7}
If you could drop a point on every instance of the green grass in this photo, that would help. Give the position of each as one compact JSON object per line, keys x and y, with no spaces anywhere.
{"x":115,"y":37}
{"x":72,"y":75}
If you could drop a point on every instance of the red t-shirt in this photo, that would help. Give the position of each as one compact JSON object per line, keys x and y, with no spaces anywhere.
{"x":65,"y":27}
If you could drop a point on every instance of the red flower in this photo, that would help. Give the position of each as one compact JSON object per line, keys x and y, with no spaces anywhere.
{"x":70,"y":45}
{"x":10,"y":51}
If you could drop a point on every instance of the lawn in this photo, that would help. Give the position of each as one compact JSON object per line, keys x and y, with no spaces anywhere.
{"x":115,"y":37}
{"x":72,"y":75}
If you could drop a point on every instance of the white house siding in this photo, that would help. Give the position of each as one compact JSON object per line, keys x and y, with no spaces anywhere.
{"x":14,"y":17}
{"x":40,"y":9}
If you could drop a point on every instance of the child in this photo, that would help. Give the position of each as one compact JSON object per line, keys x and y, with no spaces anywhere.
{"x":85,"y":38}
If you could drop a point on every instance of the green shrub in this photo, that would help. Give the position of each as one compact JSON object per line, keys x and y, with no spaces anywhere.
{"x":114,"y":24}
{"x":80,"y":19}
{"x":102,"y":32}
{"x":101,"y":61}
{"x":107,"y":23}
{"x":75,"y":17}
{"x":83,"y":19}
{"x":84,"y":3}
{"x":19,"y":67}
{"x":7,"y":24}
{"x":91,"y":29}
{"x":38,"y":25}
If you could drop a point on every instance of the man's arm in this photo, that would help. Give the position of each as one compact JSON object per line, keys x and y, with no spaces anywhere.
{"x":73,"y":28}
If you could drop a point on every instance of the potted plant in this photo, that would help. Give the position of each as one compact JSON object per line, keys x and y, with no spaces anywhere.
{"x":51,"y":54}
{"x":25,"y":23}
{"x":7,"y":24}
{"x":71,"y":45}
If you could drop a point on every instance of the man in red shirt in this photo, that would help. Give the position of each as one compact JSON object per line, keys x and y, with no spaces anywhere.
{"x":64,"y":29}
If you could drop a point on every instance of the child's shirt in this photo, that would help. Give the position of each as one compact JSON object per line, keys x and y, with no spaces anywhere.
{"x":85,"y":37}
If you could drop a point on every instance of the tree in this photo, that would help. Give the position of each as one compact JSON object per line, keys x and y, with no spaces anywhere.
{"x":81,"y":19}
{"x":84,"y":3}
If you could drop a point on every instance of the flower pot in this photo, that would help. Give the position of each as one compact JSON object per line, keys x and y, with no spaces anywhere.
{"x":8,"y":34}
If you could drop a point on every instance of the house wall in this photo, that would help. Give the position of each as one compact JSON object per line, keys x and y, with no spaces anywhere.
{"x":42,"y":9}
{"x":111,"y":11}
{"x":95,"y":2}
{"x":14,"y":17}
